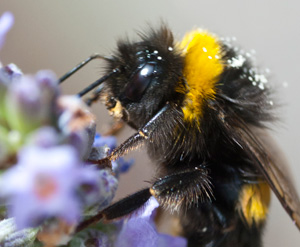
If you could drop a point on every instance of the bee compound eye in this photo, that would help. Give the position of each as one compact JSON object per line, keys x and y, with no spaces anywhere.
{"x":139,"y":82}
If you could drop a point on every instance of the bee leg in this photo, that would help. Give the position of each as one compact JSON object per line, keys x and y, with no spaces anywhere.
{"x":183,"y":189}
{"x":137,"y":139}
{"x":124,"y":207}
{"x":173,"y":190}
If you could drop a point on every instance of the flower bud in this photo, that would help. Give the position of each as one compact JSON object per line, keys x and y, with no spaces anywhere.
{"x":27,"y":108}
{"x":8,"y":73}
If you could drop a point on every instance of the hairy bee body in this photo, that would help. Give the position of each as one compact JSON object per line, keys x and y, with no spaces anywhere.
{"x":211,"y":163}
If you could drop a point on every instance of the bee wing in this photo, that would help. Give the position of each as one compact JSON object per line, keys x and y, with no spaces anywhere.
{"x":273,"y":168}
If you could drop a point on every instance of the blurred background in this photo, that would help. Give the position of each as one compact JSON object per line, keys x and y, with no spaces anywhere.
{"x":57,"y":35}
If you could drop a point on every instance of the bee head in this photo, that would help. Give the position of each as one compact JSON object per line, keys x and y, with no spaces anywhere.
{"x":148,"y":74}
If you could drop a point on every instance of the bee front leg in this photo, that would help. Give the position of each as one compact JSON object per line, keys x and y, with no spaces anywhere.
{"x":137,"y":139}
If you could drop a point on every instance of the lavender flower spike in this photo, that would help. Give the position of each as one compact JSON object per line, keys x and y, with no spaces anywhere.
{"x":6,"y":22}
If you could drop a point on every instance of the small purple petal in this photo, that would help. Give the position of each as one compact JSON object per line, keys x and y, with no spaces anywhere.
{"x":44,"y":137}
{"x":98,"y":195}
{"x":9,"y":73}
{"x":78,"y":140}
{"x":140,"y":230}
{"x":151,"y":205}
{"x":124,"y":165}
{"x":109,"y":141}
{"x":35,"y":212}
{"x":47,"y":81}
{"x":170,"y":241}
{"x":137,"y":232}
{"x":27,"y":92}
{"x":6,"y":22}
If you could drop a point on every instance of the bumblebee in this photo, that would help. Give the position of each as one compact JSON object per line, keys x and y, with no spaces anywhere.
{"x":202,"y":110}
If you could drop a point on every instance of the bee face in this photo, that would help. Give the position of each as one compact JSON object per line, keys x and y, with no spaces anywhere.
{"x":149,"y":73}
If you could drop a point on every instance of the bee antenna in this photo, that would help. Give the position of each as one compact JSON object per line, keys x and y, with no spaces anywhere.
{"x":82,"y":64}
{"x":97,"y":83}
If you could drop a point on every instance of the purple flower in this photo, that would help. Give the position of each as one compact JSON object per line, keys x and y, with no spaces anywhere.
{"x":140,"y":230}
{"x":43,"y":184}
{"x":6,"y":22}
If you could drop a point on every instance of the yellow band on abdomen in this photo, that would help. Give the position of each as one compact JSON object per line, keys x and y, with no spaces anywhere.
{"x":254,"y":202}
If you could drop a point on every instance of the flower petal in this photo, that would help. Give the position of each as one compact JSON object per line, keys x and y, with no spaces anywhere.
{"x":170,"y":241}
{"x":137,"y":232}
{"x":6,"y":22}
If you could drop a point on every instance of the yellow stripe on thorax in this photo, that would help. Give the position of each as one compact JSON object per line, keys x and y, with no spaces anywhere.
{"x":254,"y":202}
{"x":202,"y":68}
